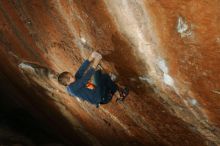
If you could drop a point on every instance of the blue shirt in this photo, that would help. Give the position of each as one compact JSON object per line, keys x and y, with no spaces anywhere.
{"x":78,"y":88}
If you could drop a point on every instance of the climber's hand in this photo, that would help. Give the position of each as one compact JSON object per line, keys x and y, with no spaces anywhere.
{"x":93,"y":56}
{"x":99,"y":57}
{"x":96,"y":55}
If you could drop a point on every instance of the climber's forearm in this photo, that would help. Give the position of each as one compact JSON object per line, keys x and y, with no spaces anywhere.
{"x":95,"y":58}
{"x":90,"y":58}
{"x":96,"y":63}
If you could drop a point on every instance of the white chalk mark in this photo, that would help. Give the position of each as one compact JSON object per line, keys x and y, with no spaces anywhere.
{"x":193,"y":102}
{"x":162,"y":66}
{"x":26,"y":67}
{"x":83,"y":40}
{"x":183,"y":28}
{"x":216,"y":92}
{"x":166,"y":77}
{"x":168,"y":80}
{"x":146,"y":79}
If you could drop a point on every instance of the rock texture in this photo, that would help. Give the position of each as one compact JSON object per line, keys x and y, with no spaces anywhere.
{"x":166,"y":52}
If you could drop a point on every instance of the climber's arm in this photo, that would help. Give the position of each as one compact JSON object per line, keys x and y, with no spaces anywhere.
{"x":94,"y":56}
{"x":84,"y":80}
{"x":82,"y":69}
{"x":91,"y":58}
{"x":96,"y":62}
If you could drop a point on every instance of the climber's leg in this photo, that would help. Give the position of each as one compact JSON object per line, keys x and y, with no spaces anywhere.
{"x":105,"y":86}
{"x":100,"y":84}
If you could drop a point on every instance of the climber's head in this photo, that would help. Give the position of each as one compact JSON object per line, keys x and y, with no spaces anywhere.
{"x":65,"y":78}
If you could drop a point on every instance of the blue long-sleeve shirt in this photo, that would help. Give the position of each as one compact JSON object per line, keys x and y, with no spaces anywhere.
{"x":78,"y":88}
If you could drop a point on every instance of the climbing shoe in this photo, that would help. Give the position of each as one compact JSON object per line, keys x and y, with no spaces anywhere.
{"x":123,"y":94}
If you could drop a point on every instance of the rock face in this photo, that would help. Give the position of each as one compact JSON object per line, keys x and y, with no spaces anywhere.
{"x":166,"y":52}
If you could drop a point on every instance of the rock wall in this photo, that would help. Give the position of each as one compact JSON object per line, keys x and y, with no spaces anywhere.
{"x":166,"y":52}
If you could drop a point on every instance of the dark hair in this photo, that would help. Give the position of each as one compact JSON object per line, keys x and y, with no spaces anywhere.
{"x":64,"y":78}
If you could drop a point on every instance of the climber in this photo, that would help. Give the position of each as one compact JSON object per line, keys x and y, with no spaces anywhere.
{"x":91,"y":84}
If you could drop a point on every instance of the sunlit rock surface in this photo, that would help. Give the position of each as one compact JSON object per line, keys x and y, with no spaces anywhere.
{"x":166,"y":52}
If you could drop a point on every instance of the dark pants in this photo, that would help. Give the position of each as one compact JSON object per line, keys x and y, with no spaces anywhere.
{"x":105,"y":86}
